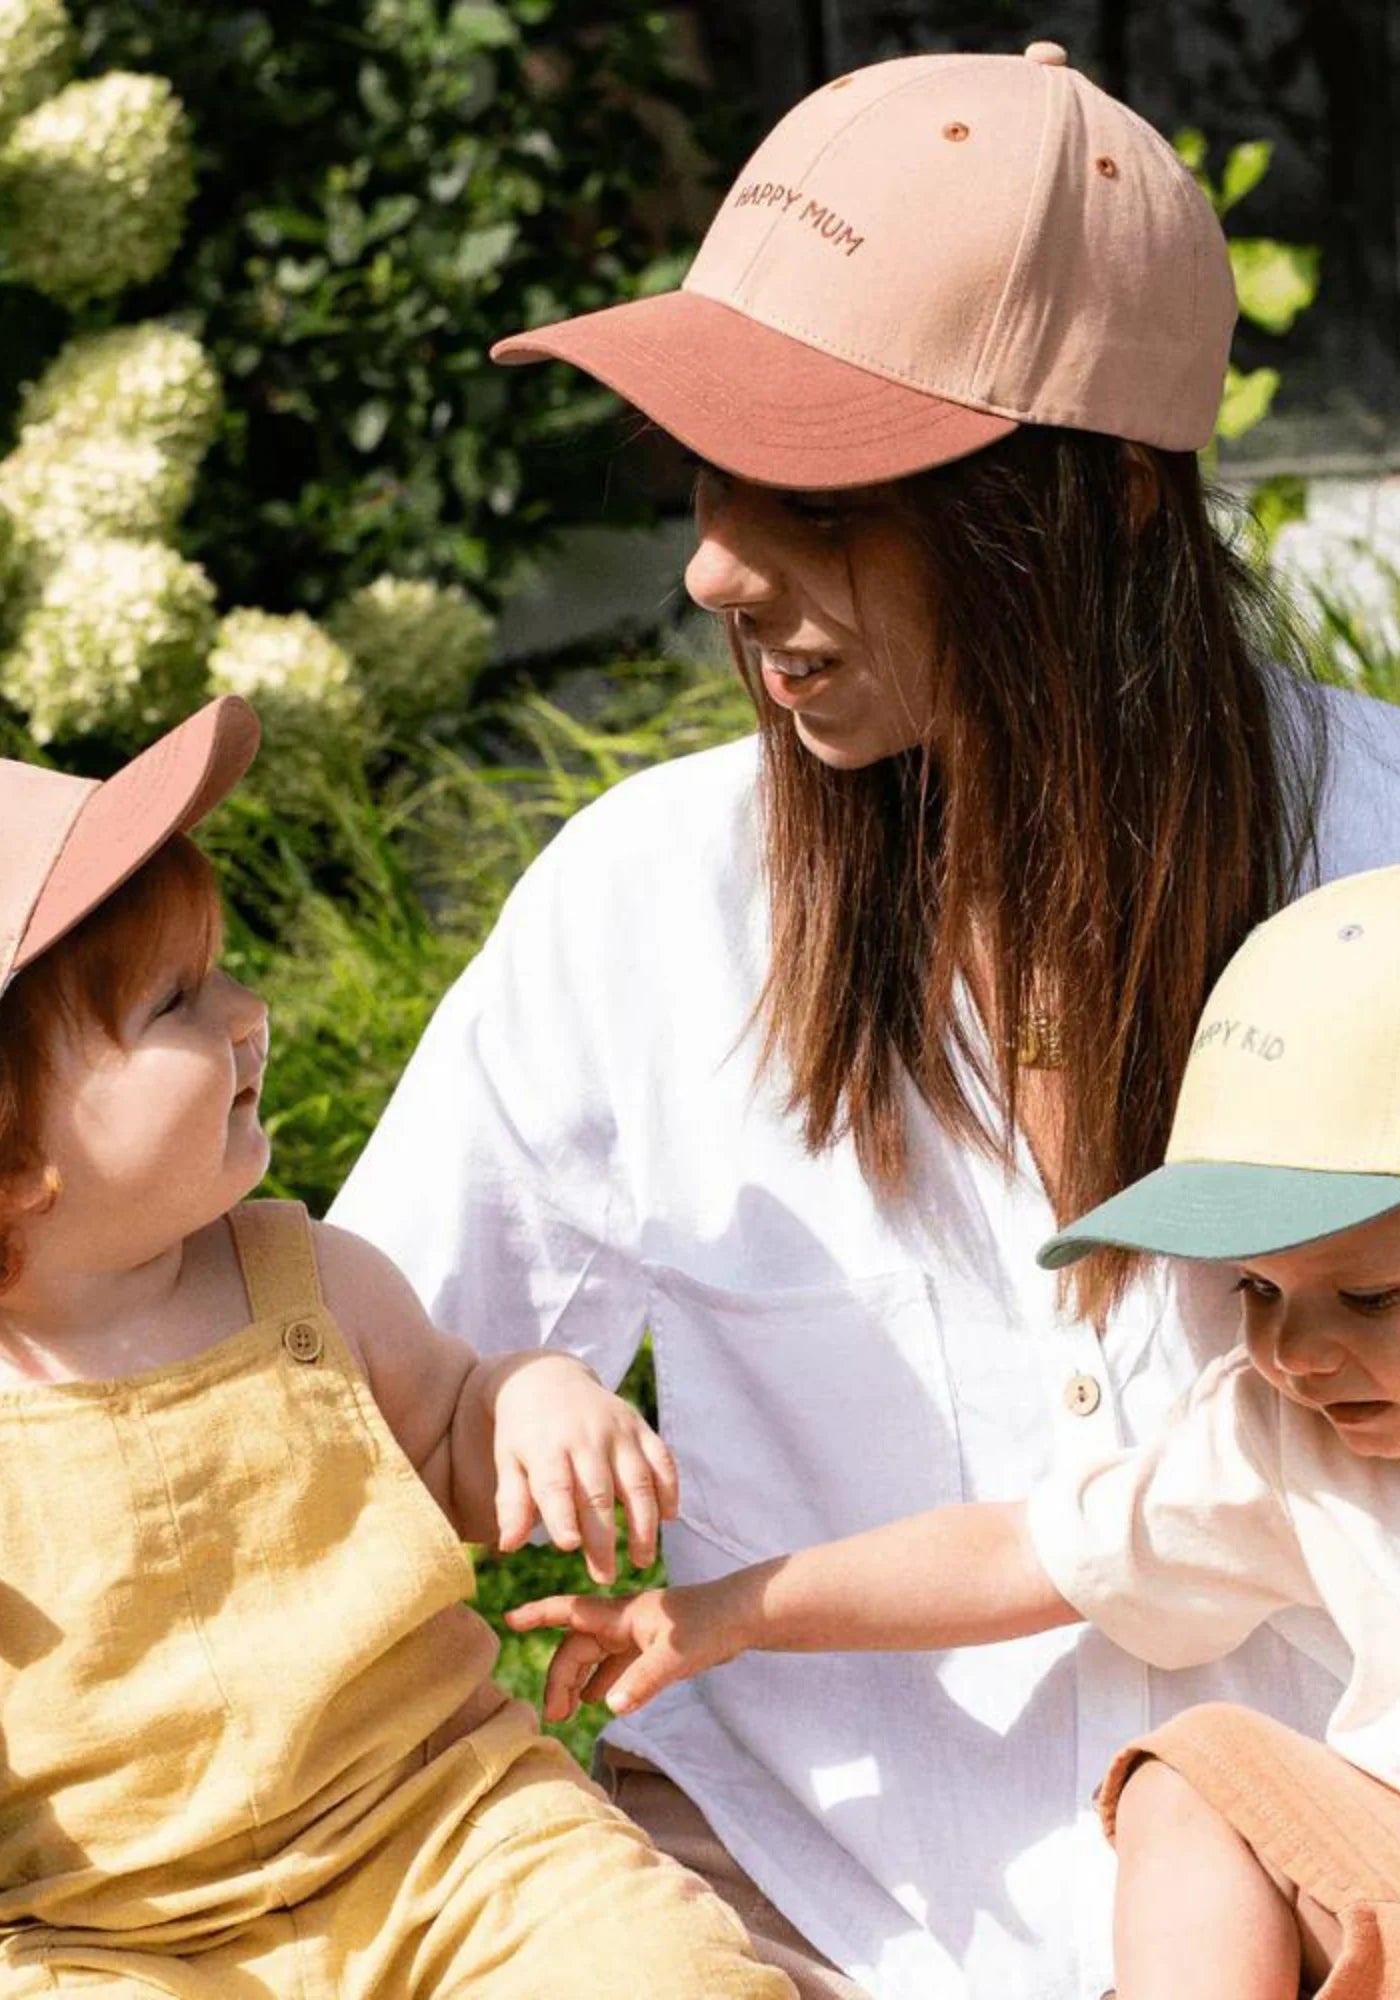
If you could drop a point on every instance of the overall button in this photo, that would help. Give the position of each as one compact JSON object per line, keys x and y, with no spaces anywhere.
{"x":1082,"y":1395}
{"x":302,"y":1340}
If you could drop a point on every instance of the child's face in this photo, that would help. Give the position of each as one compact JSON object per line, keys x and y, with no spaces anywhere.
{"x":157,"y":1132}
{"x":1322,"y":1324}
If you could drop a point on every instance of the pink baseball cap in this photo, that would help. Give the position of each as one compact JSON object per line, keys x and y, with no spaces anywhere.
{"x":66,"y":843}
{"x":919,"y":257}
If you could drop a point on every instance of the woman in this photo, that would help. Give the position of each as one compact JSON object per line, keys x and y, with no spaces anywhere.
{"x":793,"y":1052}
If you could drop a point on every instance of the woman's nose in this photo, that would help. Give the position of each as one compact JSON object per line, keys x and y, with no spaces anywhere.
{"x":736,"y":563}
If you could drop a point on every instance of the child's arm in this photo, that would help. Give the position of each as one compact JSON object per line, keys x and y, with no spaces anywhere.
{"x":960,"y":1576}
{"x":500,"y":1443}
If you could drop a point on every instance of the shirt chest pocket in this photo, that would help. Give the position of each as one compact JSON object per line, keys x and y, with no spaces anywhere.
{"x":801,"y":1415}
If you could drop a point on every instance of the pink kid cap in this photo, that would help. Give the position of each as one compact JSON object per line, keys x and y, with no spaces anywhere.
{"x":921,"y":256}
{"x":66,"y":843}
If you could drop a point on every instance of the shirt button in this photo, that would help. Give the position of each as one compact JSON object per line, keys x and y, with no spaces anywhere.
{"x":1082,"y":1395}
{"x":302,"y":1340}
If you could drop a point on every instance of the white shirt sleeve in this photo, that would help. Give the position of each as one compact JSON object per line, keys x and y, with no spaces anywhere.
{"x":492,"y":1179}
{"x":1179,"y":1550}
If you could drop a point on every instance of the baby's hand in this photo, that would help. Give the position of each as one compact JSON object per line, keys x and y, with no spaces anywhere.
{"x":625,"y":1650}
{"x":566,"y":1449}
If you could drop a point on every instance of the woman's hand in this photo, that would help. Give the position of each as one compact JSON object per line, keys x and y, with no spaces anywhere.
{"x":625,"y":1650}
{"x":566,"y":1449}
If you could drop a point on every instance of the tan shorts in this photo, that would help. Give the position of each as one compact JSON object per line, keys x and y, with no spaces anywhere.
{"x":1331,"y":1830}
{"x":681,"y":1830}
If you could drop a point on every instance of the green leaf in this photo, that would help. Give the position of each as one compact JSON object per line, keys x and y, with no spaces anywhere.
{"x":1277,"y":501}
{"x":479,"y":25}
{"x":298,"y":275}
{"x":269,"y":227}
{"x":1275,"y":281}
{"x":1244,"y":169}
{"x":483,"y":250}
{"x":1191,"y":147}
{"x":1246,"y":401}
{"x":345,"y":231}
{"x":369,"y":423}
{"x":389,"y":216}
{"x":376,"y":95}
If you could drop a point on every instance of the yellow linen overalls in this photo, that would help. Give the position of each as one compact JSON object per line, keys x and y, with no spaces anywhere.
{"x":248,"y":1740}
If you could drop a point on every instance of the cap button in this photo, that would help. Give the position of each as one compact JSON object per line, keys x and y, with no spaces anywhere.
{"x":1049,"y":53}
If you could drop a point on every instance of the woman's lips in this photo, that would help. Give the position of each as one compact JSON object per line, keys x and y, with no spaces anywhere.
{"x":793,"y":680}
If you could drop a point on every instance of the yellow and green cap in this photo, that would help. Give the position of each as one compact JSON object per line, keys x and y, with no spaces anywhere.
{"x":1287,"y":1127}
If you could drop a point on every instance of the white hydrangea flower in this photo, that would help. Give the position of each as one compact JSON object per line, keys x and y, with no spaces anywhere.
{"x":94,"y":185}
{"x":59,"y":489}
{"x":115,"y":644}
{"x":1347,"y":553}
{"x":151,"y":381}
{"x":291,"y":670}
{"x":417,"y":646}
{"x":37,"y":51}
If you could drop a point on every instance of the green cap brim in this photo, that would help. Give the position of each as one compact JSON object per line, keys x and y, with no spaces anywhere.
{"x":1210,"y":1208}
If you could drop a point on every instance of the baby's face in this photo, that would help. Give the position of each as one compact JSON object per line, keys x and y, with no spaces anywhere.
{"x":1322,"y":1324}
{"x":155,"y":1133}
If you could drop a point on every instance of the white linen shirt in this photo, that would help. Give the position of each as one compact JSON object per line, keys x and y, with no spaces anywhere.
{"x":579,"y":1151}
{"x":1246,"y":1505}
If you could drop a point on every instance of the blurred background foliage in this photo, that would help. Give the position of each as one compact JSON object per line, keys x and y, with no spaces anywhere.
{"x":384,"y":187}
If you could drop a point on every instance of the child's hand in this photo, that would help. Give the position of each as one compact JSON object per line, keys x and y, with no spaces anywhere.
{"x":625,"y":1650}
{"x":565,"y":1450}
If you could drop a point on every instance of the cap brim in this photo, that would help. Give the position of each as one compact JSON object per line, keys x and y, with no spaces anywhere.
{"x":757,"y":402}
{"x":168,"y":789}
{"x":1216,"y":1209}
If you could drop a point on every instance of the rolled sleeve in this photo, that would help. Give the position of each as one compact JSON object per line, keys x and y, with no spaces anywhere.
{"x":1179,"y":1551}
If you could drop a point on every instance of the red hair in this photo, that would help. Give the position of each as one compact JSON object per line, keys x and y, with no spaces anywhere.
{"x":169,"y":907}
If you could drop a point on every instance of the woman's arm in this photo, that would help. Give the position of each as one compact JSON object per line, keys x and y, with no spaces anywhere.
{"x":959,"y":1576}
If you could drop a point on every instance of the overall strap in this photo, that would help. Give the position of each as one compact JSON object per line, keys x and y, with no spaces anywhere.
{"x":273,"y":1241}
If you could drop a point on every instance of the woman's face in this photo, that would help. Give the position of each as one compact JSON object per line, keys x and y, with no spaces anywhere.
{"x":830,"y":595}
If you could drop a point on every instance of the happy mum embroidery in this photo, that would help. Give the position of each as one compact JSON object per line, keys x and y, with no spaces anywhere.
{"x":816,"y":214}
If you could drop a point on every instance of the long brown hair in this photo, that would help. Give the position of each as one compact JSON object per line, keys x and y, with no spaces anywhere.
{"x":1108,"y":799}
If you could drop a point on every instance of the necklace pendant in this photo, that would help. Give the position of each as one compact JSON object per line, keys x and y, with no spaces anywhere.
{"x":1039,"y":1041}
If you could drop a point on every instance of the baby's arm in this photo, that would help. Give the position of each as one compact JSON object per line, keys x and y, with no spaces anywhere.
{"x":499,"y":1443}
{"x":959,"y":1576}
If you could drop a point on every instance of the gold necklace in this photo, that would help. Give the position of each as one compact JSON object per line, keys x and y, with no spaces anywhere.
{"x":1040,"y":1042}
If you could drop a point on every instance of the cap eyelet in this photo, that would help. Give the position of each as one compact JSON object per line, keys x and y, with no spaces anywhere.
{"x":1107,"y":167}
{"x":957,"y":130}
{"x":1350,"y":931}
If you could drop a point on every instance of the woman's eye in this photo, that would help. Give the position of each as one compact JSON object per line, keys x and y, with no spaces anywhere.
{"x":815,"y":511}
{"x":172,"y":1002}
{"x":1255,"y":1288}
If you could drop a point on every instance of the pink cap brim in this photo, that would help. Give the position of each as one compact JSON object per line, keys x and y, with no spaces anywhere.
{"x":166,"y":790}
{"x":756,"y":402}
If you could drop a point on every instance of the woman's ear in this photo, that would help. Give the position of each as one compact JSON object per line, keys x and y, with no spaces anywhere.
{"x":1144,"y":485}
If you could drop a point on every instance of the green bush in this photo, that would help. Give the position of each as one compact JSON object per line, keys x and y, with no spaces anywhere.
{"x":385,"y":187}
